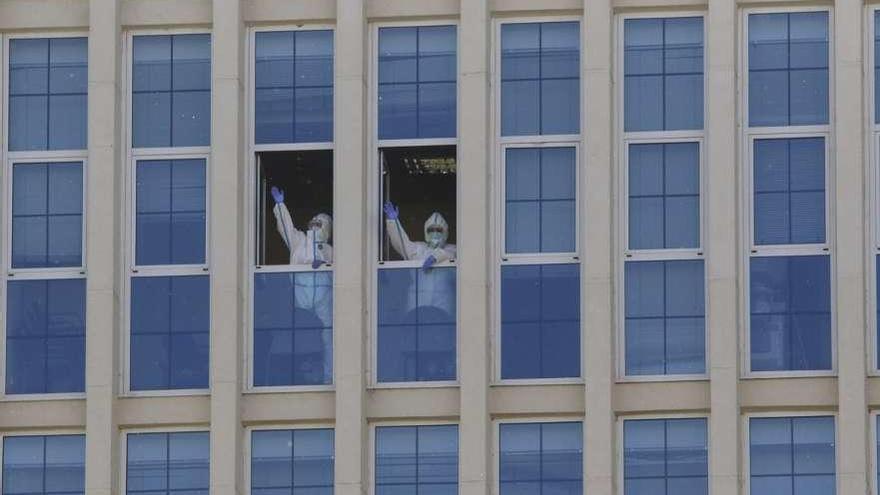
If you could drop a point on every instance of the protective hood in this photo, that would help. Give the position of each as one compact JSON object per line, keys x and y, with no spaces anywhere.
{"x":324,"y":232}
{"x":434,"y":239}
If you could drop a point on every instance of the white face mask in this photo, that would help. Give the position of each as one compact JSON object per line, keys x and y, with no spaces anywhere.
{"x":435,"y":239}
{"x":320,"y":230}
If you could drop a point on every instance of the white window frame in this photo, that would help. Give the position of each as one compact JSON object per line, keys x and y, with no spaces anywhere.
{"x":873,"y":416}
{"x":624,"y":140}
{"x":498,"y":197}
{"x":133,"y":156}
{"x":251,"y":223}
{"x":247,"y":448}
{"x":621,"y":441}
{"x":8,"y":159}
{"x":371,"y":444}
{"x":872,"y":151}
{"x":746,"y":446}
{"x":123,"y":446}
{"x":375,"y":217}
{"x":40,"y":433}
{"x":748,"y":135}
{"x":495,"y":447}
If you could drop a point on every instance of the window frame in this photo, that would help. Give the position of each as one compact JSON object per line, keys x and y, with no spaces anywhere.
{"x":247,"y":448}
{"x":498,"y":194}
{"x":747,"y":137}
{"x":621,"y":451}
{"x":132,"y":157}
{"x":374,"y":215}
{"x":253,"y":163}
{"x":872,"y":154}
{"x":7,"y":160}
{"x":42,"y":432}
{"x":123,"y":446}
{"x":371,"y":444}
{"x":746,"y":445}
{"x":873,"y":417}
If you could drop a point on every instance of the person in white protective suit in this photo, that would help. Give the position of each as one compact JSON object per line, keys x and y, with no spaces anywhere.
{"x":434,"y":289}
{"x":312,"y":291}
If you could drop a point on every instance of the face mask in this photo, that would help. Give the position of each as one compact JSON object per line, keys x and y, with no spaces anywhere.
{"x":435,"y":239}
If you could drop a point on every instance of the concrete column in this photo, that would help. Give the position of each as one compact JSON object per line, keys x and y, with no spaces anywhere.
{"x":848,"y":245}
{"x":475,"y":363}
{"x":226,"y":179}
{"x":103,"y":247}
{"x":598,"y":267}
{"x":352,"y":264}
{"x":722,"y":247}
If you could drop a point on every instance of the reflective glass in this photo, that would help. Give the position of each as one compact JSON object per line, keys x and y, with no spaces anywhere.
{"x":169,"y":332}
{"x":877,"y":67}
{"x":417,"y":82}
{"x":788,"y":69}
{"x":44,"y":465}
{"x":45,"y":336}
{"x":789,"y":194}
{"x":417,"y":459}
{"x":293,"y":328}
{"x":541,"y":458}
{"x":47,"y":206}
{"x":793,"y":455}
{"x":167,"y":463}
{"x":790,"y":300}
{"x":170,"y":212}
{"x":666,"y":457}
{"x":663,"y":74}
{"x":289,"y":462}
{"x":540,"y":78}
{"x":665,"y":330}
{"x":47,"y":94}
{"x":171,"y":90}
{"x":540,"y":321}
{"x":417,"y":332}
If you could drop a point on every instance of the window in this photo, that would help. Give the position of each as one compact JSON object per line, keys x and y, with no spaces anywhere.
{"x":417,"y":82}
{"x":416,"y":181}
{"x":44,"y":465}
{"x":789,"y":264}
{"x":48,"y":86}
{"x":289,"y":462}
{"x":293,"y":97}
{"x":791,"y":455}
{"x":877,"y":67}
{"x":541,"y":458}
{"x":665,"y":457}
{"x":292,"y":319}
{"x":788,"y":69}
{"x":45,"y":284}
{"x":663,"y":298}
{"x":663,"y":73}
{"x":417,"y":459}
{"x":540,"y":78}
{"x":171,"y":90}
{"x":168,"y":337}
{"x":167,"y":463}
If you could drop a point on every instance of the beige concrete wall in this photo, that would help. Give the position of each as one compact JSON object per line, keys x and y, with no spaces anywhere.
{"x":476,"y":402}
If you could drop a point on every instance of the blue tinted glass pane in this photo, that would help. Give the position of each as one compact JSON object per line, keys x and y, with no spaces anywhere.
{"x":683,"y":100}
{"x":520,"y":51}
{"x":540,"y":320}
{"x":314,"y":114}
{"x":809,"y":40}
{"x":45,"y":336}
{"x":272,"y":460}
{"x":67,"y":122}
{"x":423,"y":458}
{"x":417,"y":314}
{"x":151,"y":119}
{"x":769,"y":98}
{"x":313,"y":459}
{"x":23,"y":464}
{"x":438,"y":454}
{"x":790,"y":313}
{"x":876,"y":66}
{"x":273,"y":118}
{"x":768,"y":41}
{"x":687,"y":448}
{"x":683,"y":38}
{"x":147,"y":462}
{"x":28,"y":123}
{"x":274,"y":59}
{"x":643,"y":46}
{"x":808,"y":95}
{"x":188,"y":461}
{"x":813,"y":445}
{"x":191,"y":118}
{"x":28,"y":66}
{"x":560,"y":106}
{"x":396,"y":455}
{"x":643,"y":102}
{"x":540,"y":457}
{"x":167,"y":461}
{"x":520,"y":452}
{"x":169,"y":327}
{"x":65,"y":463}
{"x":191,"y":64}
{"x":437,"y":54}
{"x":770,"y":446}
{"x":521,"y":118}
{"x":560,"y":48}
{"x":68,"y":65}
{"x":398,"y":111}
{"x":436,"y":110}
{"x":151,"y":68}
{"x":561,"y":457}
{"x":398,"y":55}
{"x":313,"y":62}
{"x":644,"y":449}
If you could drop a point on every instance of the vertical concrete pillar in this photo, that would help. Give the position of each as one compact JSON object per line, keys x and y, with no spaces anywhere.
{"x":352,"y":264}
{"x":475,"y":430}
{"x":722,"y":248}
{"x":226,"y":179}
{"x":103,"y":247}
{"x":598,"y":266}
{"x":848,"y":245}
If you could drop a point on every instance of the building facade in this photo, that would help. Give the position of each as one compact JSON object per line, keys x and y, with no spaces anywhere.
{"x":617,"y":247}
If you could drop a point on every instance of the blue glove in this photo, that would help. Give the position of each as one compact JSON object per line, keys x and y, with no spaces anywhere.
{"x":316,"y":264}
{"x":391,"y":211}
{"x":429,"y":262}
{"x":277,"y":194}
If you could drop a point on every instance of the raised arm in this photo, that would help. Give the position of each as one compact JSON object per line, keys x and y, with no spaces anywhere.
{"x":292,"y":237}
{"x":400,"y":241}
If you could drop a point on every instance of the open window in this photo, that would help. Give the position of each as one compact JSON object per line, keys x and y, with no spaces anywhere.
{"x":418,"y":181}
{"x":305,"y":178}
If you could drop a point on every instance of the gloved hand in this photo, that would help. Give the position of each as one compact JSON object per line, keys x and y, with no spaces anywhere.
{"x":429,"y":262}
{"x":391,"y":211}
{"x":277,"y":194}
{"x":317,"y":264}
